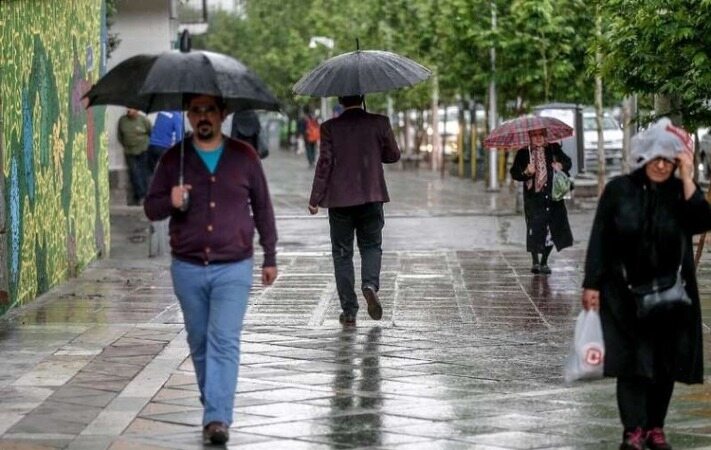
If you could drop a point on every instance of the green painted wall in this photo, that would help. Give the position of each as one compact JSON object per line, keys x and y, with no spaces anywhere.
{"x":54,"y":151}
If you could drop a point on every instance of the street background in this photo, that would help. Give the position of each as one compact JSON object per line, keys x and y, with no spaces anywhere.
{"x":468,"y":355}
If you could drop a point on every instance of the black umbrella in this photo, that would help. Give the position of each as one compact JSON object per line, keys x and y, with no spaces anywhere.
{"x":158,"y":82}
{"x":361,"y":72}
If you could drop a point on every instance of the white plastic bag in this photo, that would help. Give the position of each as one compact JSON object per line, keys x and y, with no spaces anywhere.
{"x":587,"y":354}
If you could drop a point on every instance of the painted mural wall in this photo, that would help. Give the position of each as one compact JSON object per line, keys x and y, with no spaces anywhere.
{"x":54,"y":151}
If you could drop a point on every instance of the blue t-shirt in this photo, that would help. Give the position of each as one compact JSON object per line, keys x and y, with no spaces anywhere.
{"x":211,"y":158}
{"x":167,"y":129}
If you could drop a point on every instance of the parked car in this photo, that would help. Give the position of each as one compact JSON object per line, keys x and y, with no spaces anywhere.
{"x":612,"y":141}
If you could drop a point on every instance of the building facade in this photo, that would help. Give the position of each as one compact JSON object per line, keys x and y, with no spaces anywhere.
{"x":145,"y":26}
{"x":54,"y":190}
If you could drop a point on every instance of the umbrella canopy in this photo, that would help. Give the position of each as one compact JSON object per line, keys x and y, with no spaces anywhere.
{"x":157,"y":82}
{"x":513,"y":134}
{"x":361,"y":72}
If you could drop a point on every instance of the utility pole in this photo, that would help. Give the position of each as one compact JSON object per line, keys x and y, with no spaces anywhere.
{"x":329,"y":43}
{"x":493,"y":173}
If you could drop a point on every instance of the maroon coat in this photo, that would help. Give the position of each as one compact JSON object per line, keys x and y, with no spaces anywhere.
{"x":349,"y":171}
{"x":224,"y":207}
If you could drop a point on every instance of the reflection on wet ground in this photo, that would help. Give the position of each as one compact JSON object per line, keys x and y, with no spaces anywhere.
{"x":468,"y":355}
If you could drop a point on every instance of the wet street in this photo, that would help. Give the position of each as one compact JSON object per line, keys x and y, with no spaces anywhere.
{"x":468,"y":355}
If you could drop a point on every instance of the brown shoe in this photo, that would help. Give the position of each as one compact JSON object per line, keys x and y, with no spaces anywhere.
{"x":375,"y":310}
{"x":216,"y":433}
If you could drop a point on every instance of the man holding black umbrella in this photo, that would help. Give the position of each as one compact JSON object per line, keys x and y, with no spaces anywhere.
{"x":211,"y":241}
{"x":354,"y":192}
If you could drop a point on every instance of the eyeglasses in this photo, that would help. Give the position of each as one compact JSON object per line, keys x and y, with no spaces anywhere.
{"x":659,"y":159}
{"x":199,"y":110}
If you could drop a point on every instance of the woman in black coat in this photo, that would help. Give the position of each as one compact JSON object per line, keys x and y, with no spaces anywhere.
{"x":546,"y":219}
{"x":642,"y":231}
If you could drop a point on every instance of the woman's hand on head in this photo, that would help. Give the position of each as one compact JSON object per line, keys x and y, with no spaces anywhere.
{"x":685,"y":162}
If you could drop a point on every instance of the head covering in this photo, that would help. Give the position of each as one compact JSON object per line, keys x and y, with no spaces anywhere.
{"x":661,"y":140}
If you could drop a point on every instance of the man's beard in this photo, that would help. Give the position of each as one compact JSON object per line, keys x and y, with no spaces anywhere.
{"x":207,"y":134}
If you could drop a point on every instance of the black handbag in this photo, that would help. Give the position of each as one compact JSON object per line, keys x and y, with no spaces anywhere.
{"x":662,"y":294}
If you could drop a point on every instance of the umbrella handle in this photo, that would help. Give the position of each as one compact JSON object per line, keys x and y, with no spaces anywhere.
{"x":186,"y":196}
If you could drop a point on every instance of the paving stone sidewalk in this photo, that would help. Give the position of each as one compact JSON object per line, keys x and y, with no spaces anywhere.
{"x":468,"y":355}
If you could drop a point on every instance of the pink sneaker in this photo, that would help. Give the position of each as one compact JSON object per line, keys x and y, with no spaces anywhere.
{"x":656,"y":440}
{"x":633,"y":440}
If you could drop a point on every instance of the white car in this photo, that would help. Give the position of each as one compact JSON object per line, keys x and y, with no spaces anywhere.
{"x":612,"y":135}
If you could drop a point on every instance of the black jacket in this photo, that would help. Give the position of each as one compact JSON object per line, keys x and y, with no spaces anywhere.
{"x":541,"y":211}
{"x":645,"y":227}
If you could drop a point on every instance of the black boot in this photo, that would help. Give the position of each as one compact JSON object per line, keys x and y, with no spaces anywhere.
{"x":544,"y":260}
{"x":535,"y":265}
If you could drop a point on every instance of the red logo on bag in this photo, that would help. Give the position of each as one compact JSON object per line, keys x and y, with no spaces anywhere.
{"x":593,"y":355}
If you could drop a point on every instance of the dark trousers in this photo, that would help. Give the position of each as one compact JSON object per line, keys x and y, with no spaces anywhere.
{"x":138,"y":173}
{"x":642,"y":402}
{"x":310,"y":152}
{"x":154,"y":154}
{"x":367,"y":221}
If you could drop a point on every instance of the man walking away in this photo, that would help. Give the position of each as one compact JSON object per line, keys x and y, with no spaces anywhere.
{"x":246,"y":127}
{"x":167,"y":130}
{"x":354,"y":192}
{"x":211,"y":241}
{"x":133,"y":132}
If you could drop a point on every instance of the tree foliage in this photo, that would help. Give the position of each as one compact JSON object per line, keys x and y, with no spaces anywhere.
{"x":541,"y":44}
{"x":661,"y":47}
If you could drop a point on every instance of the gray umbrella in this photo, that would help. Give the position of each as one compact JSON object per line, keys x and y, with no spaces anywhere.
{"x":158,"y":82}
{"x":361,"y":72}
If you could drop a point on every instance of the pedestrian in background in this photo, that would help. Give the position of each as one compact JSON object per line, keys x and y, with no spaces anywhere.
{"x":134,"y":130}
{"x":642,"y":233}
{"x":246,"y":127}
{"x":211,"y":243}
{"x":167,"y":130}
{"x":546,"y":220}
{"x":312,"y":136}
{"x":350,"y":182}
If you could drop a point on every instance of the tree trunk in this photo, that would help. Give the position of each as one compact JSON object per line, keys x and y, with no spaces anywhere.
{"x":626,"y":133}
{"x":473,"y":138}
{"x":419,"y":131}
{"x":599,"y":112}
{"x":669,"y":106}
{"x":460,"y":138}
{"x":434,"y":119}
{"x":406,"y":138}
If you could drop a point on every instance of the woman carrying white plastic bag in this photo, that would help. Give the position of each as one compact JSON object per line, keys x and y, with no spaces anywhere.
{"x":640,"y":240}
{"x":587,"y":354}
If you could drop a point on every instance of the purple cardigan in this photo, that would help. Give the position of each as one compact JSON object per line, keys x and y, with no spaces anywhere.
{"x":224,"y":206}
{"x":354,"y":147}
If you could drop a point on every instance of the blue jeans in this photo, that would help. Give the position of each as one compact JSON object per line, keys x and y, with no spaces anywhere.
{"x":214,"y":299}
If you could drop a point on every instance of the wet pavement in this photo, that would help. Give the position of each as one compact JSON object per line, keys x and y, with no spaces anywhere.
{"x":468,"y":355}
